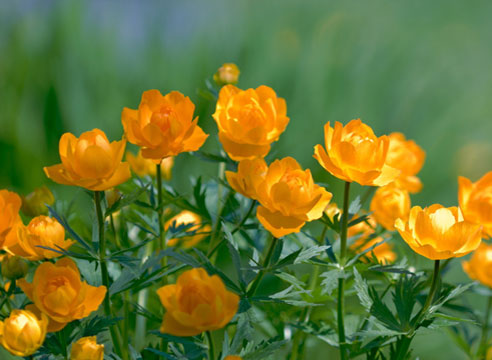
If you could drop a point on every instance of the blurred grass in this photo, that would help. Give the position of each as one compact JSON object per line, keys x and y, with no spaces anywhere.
{"x":416,"y":67}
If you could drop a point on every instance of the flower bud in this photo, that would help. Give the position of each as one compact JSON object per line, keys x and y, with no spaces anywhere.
{"x":22,"y":333}
{"x":14,"y":267}
{"x":34,"y":204}
{"x":112,"y":196}
{"x":87,"y":348}
{"x":227,"y":74}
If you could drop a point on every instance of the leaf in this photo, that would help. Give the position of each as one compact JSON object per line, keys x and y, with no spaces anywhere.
{"x":362,"y":291}
{"x":211,"y":269}
{"x":287,"y":260}
{"x":125,"y":200}
{"x":265,"y":348}
{"x":354,"y":206}
{"x":244,"y":332}
{"x":291,"y":280}
{"x":362,"y":253}
{"x":381,"y":312}
{"x":330,"y":280}
{"x":405,"y":297}
{"x":235,"y":256}
{"x":67,"y":227}
{"x":308,"y":253}
{"x":454,"y":293}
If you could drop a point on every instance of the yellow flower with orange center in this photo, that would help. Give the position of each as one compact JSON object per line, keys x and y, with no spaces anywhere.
{"x":476,"y":201}
{"x":479,"y":267}
{"x":163,"y":126}
{"x":90,"y":161}
{"x":186,"y":217}
{"x":249,"y":121}
{"x":57,"y":291}
{"x":407,"y":156}
{"x":227,"y":74}
{"x":390,"y":203}
{"x":87,"y":348}
{"x":196,"y":303}
{"x":439,"y":233}
{"x":10,"y":204}
{"x":288,"y":195}
{"x":41,"y":233}
{"x":353,"y":153}
{"x":23,"y":333}
{"x":363,"y":230}
{"x":142,"y":166}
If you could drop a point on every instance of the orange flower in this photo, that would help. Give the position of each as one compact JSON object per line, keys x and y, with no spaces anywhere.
{"x":186,"y":217}
{"x":53,"y":326}
{"x":439,"y":233}
{"x":10,"y":204}
{"x":196,"y":303}
{"x":249,"y":121}
{"x":390,"y":203}
{"x":287,"y":194}
{"x":407,"y":156}
{"x":42,"y":231}
{"x":58,"y":292}
{"x":480,"y":265}
{"x":354,"y":153}
{"x":22,"y":333}
{"x":34,"y":204}
{"x":233,"y":357}
{"x":363,"y":230}
{"x":227,"y":74}
{"x":142,"y":166}
{"x":87,"y":348}
{"x":476,"y":201}
{"x":250,"y":173}
{"x":163,"y":125}
{"x":90,"y":161}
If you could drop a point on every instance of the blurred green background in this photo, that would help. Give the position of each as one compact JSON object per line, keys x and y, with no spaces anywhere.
{"x":419,"y":67}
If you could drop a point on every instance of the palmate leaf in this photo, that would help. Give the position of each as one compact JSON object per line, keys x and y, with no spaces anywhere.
{"x":330,"y":280}
{"x":244,"y":333}
{"x":362,"y":291}
{"x":381,"y":312}
{"x":405,"y":297}
{"x":264,"y":349}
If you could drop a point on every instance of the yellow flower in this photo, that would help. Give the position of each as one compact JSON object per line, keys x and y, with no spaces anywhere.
{"x":196,"y":303}
{"x":186,"y":217}
{"x":250,"y":173}
{"x":58,"y":292}
{"x":10,"y":204}
{"x":390,"y":203}
{"x":476,"y":201}
{"x":480,"y":265}
{"x":42,"y":231}
{"x":439,"y":233}
{"x":384,"y":253}
{"x":288,"y":195}
{"x":53,"y":326}
{"x":34,"y":204}
{"x":227,"y":74}
{"x":163,"y":125}
{"x":22,"y":333}
{"x":90,"y":161}
{"x":142,"y":166}
{"x":353,"y":153}
{"x":249,"y":121}
{"x":87,"y":348}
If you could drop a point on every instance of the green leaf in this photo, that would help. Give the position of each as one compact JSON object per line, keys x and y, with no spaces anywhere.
{"x":362,"y":291}
{"x":405,"y":297}
{"x":381,"y":312}
{"x":244,"y":332}
{"x":330,"y":280}
{"x":454,"y":293}
{"x":308,"y":253}
{"x":125,"y":200}
{"x":264,"y":349}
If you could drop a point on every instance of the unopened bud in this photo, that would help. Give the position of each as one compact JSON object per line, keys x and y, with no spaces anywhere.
{"x":14,"y":267}
{"x":227,"y":74}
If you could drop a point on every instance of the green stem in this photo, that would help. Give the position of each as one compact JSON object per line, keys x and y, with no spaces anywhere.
{"x":485,"y":328}
{"x":211,"y":355}
{"x":261,"y":273}
{"x":432,"y":291}
{"x":160,"y":212}
{"x":104,"y":268}
{"x":402,"y":346}
{"x":345,"y":216}
{"x":248,"y":213}
{"x":341,"y":284}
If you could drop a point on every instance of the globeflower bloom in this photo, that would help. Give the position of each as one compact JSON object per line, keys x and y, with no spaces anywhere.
{"x":90,"y":161}
{"x":480,"y":265}
{"x":439,"y":233}
{"x":41,"y":233}
{"x":384,"y":252}
{"x":142,"y":166}
{"x":22,"y":333}
{"x":57,"y":291}
{"x":10,"y":204}
{"x":408,"y":157}
{"x":476,"y":201}
{"x":388,"y":204}
{"x":250,"y":173}
{"x":249,"y":121}
{"x":87,"y":348}
{"x":353,"y":153}
{"x":163,"y":125}
{"x":288,"y":195}
{"x":196,"y":303}
{"x":227,"y":74}
{"x":186,"y":217}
